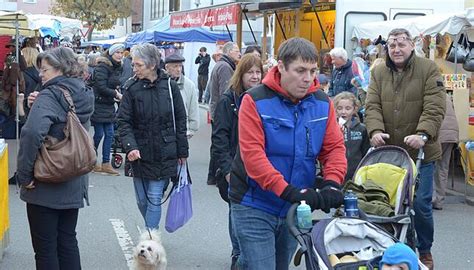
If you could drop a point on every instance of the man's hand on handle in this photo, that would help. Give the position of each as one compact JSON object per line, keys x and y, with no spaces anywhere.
{"x":414,"y":141}
{"x":330,"y":196}
{"x":379,"y":139}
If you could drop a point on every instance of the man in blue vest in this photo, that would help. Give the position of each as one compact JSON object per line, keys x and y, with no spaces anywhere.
{"x":285,"y":125}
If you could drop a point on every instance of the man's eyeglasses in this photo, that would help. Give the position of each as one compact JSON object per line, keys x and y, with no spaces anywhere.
{"x":400,"y":41}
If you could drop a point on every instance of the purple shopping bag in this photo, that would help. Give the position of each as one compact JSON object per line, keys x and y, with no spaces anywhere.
{"x":180,"y":207}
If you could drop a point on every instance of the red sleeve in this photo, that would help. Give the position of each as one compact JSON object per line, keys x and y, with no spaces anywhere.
{"x":333,"y":151}
{"x":252,"y":149}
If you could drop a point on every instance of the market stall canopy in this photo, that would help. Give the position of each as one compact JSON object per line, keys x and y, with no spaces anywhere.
{"x":8,"y":22}
{"x":190,"y":35}
{"x":54,"y":26}
{"x":424,"y":25}
{"x":161,"y":32}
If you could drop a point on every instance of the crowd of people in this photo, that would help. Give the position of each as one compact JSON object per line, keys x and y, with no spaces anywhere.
{"x":273,"y":130}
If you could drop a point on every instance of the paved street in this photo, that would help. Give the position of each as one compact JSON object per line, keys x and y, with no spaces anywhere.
{"x":107,"y":230}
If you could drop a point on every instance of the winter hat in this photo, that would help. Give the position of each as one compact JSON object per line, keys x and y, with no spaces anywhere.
{"x":400,"y":253}
{"x":174,"y":58}
{"x":116,"y":47}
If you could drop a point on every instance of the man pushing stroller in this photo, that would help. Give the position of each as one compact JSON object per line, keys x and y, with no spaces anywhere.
{"x":405,"y":106}
{"x":275,"y":166}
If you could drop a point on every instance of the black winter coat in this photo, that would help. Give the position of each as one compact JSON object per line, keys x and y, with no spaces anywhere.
{"x":357,"y":144}
{"x":203,"y":62}
{"x":105,"y":81}
{"x":225,"y":136}
{"x":32,"y":80}
{"x":145,"y":122}
{"x":32,"y":83}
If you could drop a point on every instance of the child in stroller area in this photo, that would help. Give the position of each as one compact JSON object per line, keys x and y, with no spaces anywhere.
{"x":399,"y":257}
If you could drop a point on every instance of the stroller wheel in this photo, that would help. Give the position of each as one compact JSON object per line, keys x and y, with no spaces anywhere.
{"x":116,"y":161}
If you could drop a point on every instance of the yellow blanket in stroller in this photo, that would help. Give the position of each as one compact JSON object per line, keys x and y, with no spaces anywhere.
{"x":387,"y":176}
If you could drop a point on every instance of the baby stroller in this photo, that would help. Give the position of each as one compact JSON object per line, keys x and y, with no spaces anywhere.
{"x":117,"y":148}
{"x":390,"y":167}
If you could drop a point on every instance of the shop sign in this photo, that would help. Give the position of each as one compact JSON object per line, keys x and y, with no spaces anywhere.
{"x":455,"y":81}
{"x":206,"y":17}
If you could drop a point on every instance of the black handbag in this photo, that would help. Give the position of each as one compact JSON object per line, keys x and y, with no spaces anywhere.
{"x":460,"y":53}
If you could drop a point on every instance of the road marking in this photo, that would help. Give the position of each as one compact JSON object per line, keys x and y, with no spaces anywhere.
{"x":124,"y":239}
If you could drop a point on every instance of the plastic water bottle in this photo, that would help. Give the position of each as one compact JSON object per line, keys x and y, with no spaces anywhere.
{"x":350,"y":204}
{"x":303,"y":216}
{"x":470,"y":145}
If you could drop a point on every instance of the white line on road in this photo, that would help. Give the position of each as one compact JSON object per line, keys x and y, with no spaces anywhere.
{"x":124,"y":239}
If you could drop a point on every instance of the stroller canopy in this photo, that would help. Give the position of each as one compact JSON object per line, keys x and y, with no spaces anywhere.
{"x":340,"y":235}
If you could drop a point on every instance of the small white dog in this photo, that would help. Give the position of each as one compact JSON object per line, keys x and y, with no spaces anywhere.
{"x":149,"y":254}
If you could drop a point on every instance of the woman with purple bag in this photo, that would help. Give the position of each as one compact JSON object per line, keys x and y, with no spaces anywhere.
{"x":152,"y":130}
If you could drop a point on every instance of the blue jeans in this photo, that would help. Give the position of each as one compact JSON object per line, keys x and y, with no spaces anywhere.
{"x":264,"y":239}
{"x":151,"y":212}
{"x":424,"y":224}
{"x":233,"y":237}
{"x":99,"y":130}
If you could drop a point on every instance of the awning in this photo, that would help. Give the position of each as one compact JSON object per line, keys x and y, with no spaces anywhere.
{"x":8,"y":21}
{"x":429,"y":25}
{"x":219,"y":15}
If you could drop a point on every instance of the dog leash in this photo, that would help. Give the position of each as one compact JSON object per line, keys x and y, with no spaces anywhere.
{"x":145,"y":189}
{"x":149,"y":233}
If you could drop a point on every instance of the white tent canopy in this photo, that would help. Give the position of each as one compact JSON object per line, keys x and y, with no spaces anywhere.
{"x":8,"y":22}
{"x":60,"y":25}
{"x":423,"y":25}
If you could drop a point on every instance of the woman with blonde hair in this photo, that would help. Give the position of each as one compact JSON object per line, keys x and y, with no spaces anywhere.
{"x":31,"y":73}
{"x":248,"y":74}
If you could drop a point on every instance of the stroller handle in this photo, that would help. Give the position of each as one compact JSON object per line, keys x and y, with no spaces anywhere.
{"x":290,"y":221}
{"x":420,"y":157}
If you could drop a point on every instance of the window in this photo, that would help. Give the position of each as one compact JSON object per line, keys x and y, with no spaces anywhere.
{"x":120,"y":21}
{"x":355,"y":18}
{"x":157,"y":9}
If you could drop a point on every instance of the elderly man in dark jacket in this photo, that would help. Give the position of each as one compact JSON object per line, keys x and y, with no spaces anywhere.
{"x":218,"y":84}
{"x":342,"y":73}
{"x":152,"y":128}
{"x":106,"y":84}
{"x":405,"y":106}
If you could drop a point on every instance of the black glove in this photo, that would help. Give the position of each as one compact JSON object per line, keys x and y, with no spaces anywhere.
{"x":331,"y":194}
{"x":294,"y":195}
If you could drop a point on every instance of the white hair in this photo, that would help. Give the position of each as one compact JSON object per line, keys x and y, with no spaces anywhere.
{"x":339,"y":52}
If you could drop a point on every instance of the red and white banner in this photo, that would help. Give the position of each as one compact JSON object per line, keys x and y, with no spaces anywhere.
{"x":206,"y":17}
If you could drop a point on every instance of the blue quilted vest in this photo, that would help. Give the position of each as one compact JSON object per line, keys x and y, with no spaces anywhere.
{"x":294,"y":135}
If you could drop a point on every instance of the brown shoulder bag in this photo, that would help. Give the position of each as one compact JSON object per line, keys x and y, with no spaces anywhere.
{"x":59,"y":161}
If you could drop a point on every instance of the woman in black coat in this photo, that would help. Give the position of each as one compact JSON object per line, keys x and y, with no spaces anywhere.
{"x":106,"y":84}
{"x":225,"y":137}
{"x":152,"y":136}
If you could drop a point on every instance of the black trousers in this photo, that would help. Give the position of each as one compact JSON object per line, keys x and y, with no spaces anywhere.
{"x":53,"y":233}
{"x":202,"y":83}
{"x":211,"y":175}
